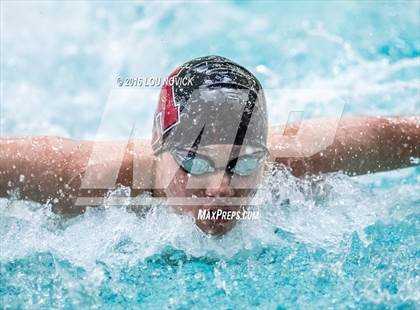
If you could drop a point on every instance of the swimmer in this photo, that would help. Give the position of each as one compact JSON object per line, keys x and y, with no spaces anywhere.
{"x":213,"y":134}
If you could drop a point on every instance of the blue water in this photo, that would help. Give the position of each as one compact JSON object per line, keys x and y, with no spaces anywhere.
{"x":341,"y":243}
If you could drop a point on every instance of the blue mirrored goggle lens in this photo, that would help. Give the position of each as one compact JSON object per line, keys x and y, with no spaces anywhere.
{"x":244,"y":166}
{"x":196,"y":165}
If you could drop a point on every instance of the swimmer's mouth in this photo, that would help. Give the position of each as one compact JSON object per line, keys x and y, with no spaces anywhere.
{"x":209,"y":201}
{"x":215,"y":208}
{"x":224,"y":203}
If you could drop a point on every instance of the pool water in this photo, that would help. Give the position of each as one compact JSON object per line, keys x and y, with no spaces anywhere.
{"x":334,"y":242}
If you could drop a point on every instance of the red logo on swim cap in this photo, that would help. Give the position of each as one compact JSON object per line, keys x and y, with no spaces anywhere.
{"x":167,"y":112}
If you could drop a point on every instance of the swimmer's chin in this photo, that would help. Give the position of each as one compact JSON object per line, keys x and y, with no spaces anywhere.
{"x":215,"y":228}
{"x":211,"y":227}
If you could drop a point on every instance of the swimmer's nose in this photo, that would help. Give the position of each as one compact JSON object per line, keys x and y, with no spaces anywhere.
{"x":224,"y":190}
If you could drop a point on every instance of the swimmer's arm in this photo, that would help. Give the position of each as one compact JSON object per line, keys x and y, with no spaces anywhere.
{"x":361,"y":145}
{"x":38,"y":168}
{"x":51,"y":169}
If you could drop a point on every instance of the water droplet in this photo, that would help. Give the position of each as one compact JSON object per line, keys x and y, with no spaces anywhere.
{"x":414,"y":160}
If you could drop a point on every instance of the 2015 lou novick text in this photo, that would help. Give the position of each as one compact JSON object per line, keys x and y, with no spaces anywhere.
{"x":154,"y":81}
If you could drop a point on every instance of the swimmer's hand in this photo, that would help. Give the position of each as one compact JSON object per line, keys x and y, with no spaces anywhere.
{"x":353,"y":145}
{"x":51,"y":170}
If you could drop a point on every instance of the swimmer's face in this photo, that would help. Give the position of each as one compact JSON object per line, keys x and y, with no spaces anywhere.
{"x":199,"y":183}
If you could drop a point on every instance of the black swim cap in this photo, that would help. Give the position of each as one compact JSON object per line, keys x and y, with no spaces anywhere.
{"x":210,"y":100}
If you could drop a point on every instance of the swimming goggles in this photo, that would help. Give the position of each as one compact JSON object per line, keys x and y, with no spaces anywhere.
{"x":197,"y":164}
